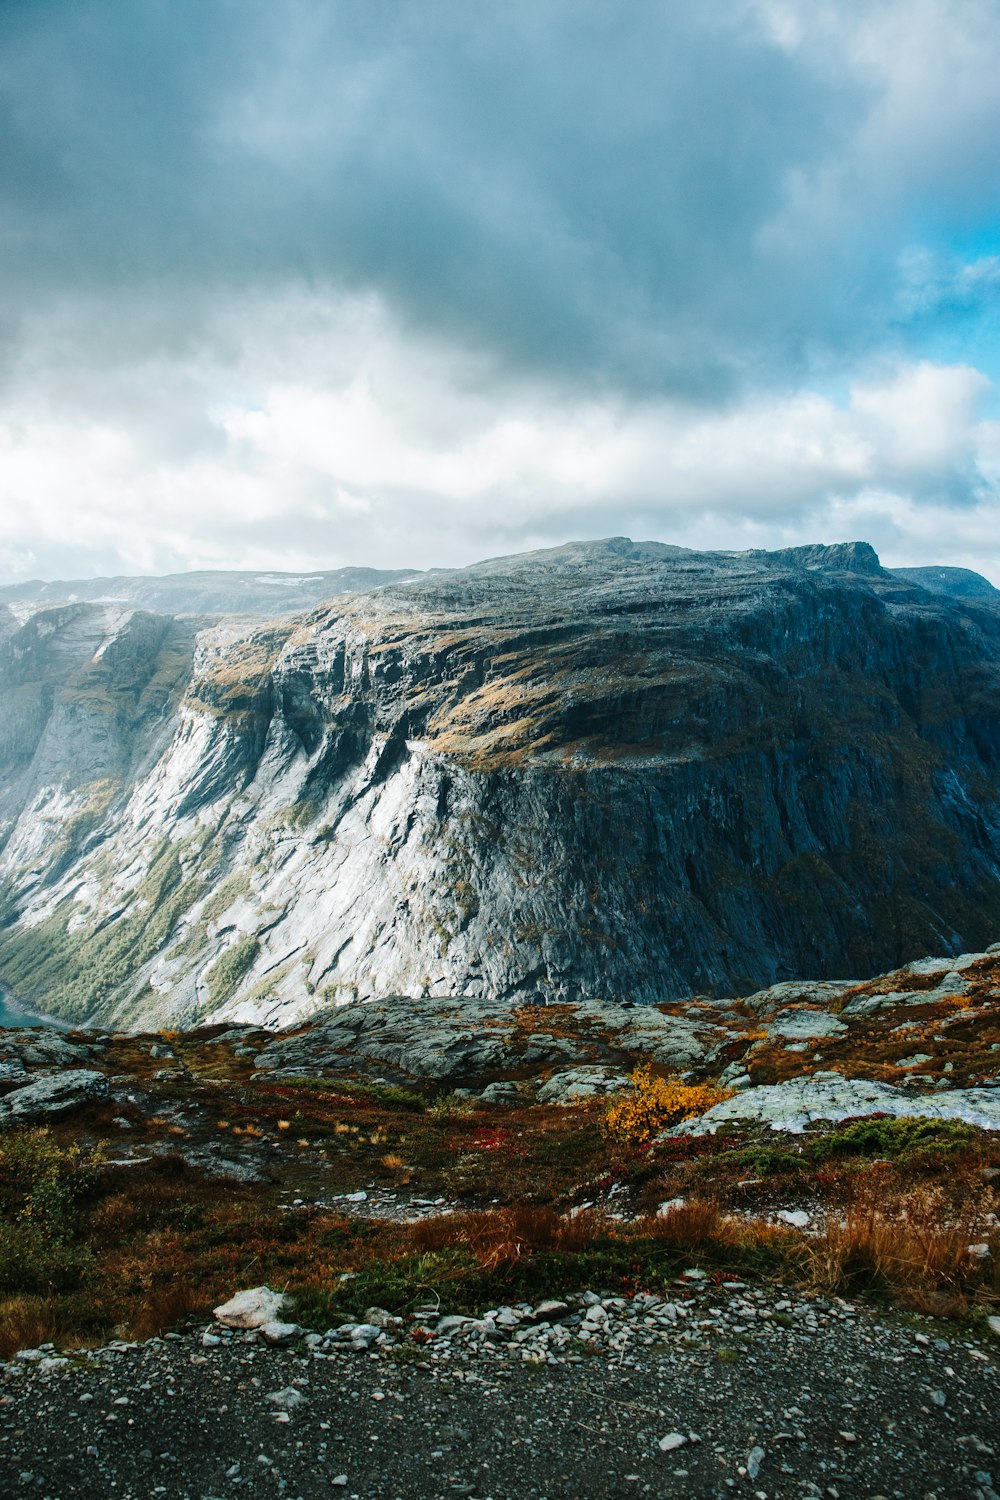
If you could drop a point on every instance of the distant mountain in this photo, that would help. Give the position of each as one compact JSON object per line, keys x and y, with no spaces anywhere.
{"x":207,"y":593}
{"x":613,"y":769}
{"x":955,"y":583}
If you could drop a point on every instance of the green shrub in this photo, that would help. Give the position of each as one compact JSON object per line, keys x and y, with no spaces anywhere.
{"x":907,"y":1136}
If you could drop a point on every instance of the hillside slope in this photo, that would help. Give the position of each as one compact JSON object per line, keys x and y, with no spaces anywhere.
{"x":616,"y":770}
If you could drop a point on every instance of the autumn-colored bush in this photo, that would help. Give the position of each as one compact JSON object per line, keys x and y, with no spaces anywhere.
{"x":652,"y":1104}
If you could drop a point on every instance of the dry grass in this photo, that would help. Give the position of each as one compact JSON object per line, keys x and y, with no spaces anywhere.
{"x":165,"y":1307}
{"x":914,"y":1245}
{"x":689,"y":1225}
{"x":503,"y":1236}
{"x":25,"y":1322}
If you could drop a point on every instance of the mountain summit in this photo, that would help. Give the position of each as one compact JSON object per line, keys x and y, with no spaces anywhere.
{"x":611,"y":769}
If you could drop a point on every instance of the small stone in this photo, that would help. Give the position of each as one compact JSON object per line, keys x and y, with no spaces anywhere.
{"x":288,"y":1399}
{"x":277,"y":1332}
{"x":939,"y":1398}
{"x":450,"y":1324}
{"x":672,"y":1440}
{"x":551,"y":1311}
{"x":755,"y":1458}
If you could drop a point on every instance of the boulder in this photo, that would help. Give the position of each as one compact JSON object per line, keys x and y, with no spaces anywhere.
{"x":252,"y":1308}
{"x":53,"y":1095}
{"x":574,"y":1084}
{"x":804,"y":1025}
{"x":800,"y":1102}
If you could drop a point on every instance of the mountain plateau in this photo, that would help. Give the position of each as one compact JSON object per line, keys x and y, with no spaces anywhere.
{"x":614,"y":771}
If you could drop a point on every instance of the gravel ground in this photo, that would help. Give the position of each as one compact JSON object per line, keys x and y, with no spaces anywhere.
{"x":855,"y":1406}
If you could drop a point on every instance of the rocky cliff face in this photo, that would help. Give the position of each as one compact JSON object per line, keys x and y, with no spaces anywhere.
{"x":611,"y":770}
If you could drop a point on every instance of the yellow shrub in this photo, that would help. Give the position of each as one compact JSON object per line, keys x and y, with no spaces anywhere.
{"x":651,"y":1105}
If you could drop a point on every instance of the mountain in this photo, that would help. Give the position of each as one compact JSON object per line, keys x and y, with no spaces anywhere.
{"x":955,"y":583}
{"x":611,"y":770}
{"x":205,"y":593}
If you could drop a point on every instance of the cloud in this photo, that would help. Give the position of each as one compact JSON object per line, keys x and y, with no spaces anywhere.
{"x":670,"y":203}
{"x":325,"y":435}
{"x":300,"y":280}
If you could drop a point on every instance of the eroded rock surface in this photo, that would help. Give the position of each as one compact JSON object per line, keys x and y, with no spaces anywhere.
{"x":800,"y":1102}
{"x":55,"y":1095}
{"x":612,"y":770}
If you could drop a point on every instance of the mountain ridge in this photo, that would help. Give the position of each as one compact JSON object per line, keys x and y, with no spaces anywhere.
{"x":613,"y":769}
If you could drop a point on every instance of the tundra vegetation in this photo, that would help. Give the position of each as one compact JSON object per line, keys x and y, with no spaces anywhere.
{"x":95,"y":1244}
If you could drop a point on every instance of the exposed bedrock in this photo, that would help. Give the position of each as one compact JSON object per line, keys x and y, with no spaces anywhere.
{"x":616,"y":771}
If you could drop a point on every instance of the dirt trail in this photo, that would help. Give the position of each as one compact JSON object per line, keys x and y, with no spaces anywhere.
{"x":855,"y":1409}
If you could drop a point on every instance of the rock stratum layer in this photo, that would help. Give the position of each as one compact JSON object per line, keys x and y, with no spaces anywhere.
{"x":616,"y":771}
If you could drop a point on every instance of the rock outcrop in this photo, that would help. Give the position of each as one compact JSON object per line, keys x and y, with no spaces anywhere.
{"x":55,"y":1095}
{"x":799,"y":1103}
{"x":616,"y":771}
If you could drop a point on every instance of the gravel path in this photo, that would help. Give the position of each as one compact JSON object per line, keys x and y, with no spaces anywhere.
{"x":855,"y":1406}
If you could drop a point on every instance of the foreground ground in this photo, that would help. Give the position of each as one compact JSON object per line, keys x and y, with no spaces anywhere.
{"x":384,"y":1153}
{"x":842,"y":1404}
{"x":410,"y":1160}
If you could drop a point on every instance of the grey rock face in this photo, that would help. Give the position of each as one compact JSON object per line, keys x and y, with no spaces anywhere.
{"x":457,"y":1040}
{"x":581,"y":1083}
{"x":799,"y":1102}
{"x":57,"y":1095}
{"x":956,"y":583}
{"x":615,"y":771}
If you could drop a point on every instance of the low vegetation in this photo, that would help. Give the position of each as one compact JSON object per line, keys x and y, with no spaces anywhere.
{"x":540,"y":1201}
{"x":652,"y":1104}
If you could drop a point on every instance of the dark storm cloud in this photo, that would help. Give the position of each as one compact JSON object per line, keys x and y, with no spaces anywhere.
{"x":577,"y":189}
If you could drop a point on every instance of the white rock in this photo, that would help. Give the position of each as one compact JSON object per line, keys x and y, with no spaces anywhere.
{"x":993,"y":1324}
{"x":671,"y":1441}
{"x":288,"y":1399}
{"x":796,"y":1217}
{"x":800,"y":1025}
{"x":252,"y":1308}
{"x":797,"y":1103}
{"x":364,"y":1335}
{"x":669,"y":1207}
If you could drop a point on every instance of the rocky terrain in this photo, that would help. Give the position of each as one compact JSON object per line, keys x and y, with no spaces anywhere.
{"x":792,"y":1292}
{"x":715,"y":1392}
{"x":612,"y":772}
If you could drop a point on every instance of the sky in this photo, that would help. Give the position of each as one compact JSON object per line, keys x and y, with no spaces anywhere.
{"x":291,"y":284}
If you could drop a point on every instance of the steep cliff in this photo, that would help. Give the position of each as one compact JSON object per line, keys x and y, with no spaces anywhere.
{"x":613,"y":770}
